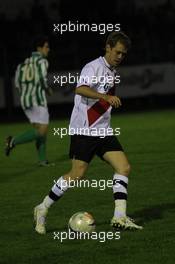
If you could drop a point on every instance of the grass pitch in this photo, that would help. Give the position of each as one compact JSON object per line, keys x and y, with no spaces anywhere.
{"x":148,"y":140}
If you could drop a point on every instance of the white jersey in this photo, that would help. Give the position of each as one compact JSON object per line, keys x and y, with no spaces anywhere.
{"x":91,"y":117}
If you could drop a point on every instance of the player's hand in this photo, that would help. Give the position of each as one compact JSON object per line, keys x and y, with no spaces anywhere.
{"x":113,"y":100}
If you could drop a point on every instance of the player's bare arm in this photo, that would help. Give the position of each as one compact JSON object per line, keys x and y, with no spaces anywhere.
{"x":90,"y":93}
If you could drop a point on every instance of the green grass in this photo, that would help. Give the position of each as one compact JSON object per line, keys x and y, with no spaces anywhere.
{"x":148,"y":139}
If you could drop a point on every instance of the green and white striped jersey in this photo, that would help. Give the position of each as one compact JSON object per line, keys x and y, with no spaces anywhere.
{"x":31,"y":81}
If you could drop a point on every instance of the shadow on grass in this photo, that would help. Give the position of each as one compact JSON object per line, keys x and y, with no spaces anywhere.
{"x":145,"y":215}
{"x":152,"y":213}
{"x":56,"y":229}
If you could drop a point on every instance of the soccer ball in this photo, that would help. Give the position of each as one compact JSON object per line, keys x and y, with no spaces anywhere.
{"x":82,"y":222}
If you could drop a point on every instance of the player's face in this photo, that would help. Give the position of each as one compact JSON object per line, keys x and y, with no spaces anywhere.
{"x":116,"y":54}
{"x":45,"y":49}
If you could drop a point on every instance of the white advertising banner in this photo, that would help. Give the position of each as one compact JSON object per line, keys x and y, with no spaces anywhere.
{"x":135,"y":81}
{"x":138,"y":81}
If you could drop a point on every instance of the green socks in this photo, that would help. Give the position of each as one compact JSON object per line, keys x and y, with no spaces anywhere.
{"x":33,"y":135}
{"x":26,"y":137}
{"x":41,"y":147}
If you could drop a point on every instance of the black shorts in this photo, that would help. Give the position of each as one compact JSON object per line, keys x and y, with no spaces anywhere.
{"x":86,"y":147}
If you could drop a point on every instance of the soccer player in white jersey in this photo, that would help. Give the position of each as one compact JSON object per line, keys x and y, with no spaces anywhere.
{"x":31,"y":82}
{"x":91,"y":114}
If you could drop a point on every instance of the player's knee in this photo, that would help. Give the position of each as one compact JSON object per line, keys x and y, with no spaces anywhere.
{"x":124,"y":170}
{"x":42,"y":131}
{"x":78,"y":173}
{"x":43,"y":134}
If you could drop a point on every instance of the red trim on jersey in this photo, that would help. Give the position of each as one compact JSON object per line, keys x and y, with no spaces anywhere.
{"x":98,"y":109}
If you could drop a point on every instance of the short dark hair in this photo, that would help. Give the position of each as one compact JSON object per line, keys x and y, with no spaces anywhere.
{"x":39,"y":41}
{"x":115,"y":37}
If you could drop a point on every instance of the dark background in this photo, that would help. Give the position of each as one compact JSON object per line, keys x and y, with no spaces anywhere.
{"x":147,"y":134}
{"x":149,"y":25}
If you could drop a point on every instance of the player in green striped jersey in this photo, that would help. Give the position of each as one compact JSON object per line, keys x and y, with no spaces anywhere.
{"x":31,"y":81}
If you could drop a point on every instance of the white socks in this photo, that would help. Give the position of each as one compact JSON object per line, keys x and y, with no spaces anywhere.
{"x":56,"y":192}
{"x":120,"y":183}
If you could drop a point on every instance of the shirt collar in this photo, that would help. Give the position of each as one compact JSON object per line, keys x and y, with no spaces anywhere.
{"x":37,"y":53}
{"x":107,"y":64}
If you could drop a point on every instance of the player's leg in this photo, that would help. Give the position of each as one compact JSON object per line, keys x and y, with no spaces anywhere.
{"x":39,"y":118}
{"x":40,"y":123}
{"x":42,"y":130}
{"x":77,"y":171}
{"x":112,"y":152}
{"x":58,"y":189}
{"x":81,"y":152}
{"x":121,"y":166}
{"x":26,"y":137}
